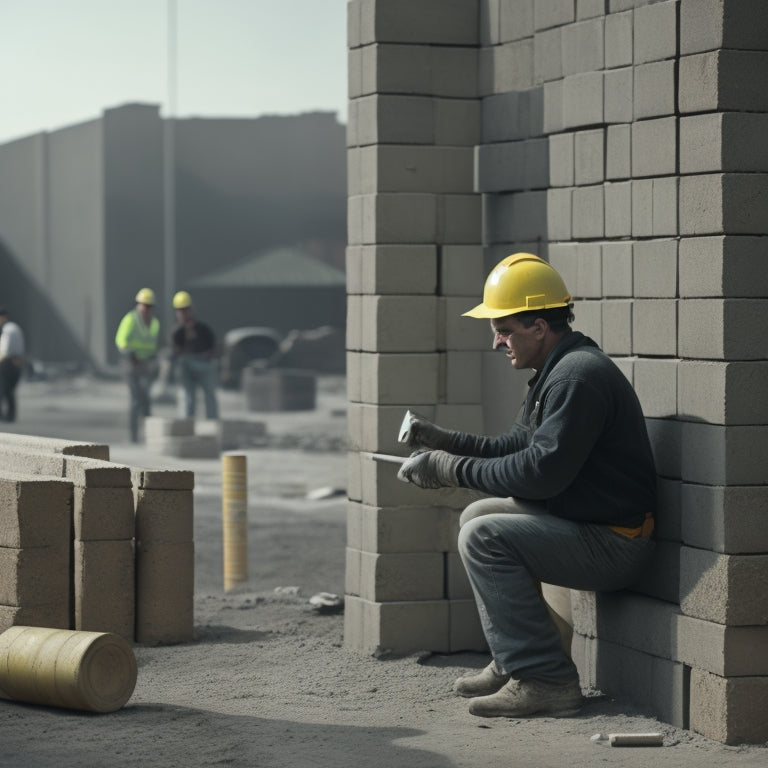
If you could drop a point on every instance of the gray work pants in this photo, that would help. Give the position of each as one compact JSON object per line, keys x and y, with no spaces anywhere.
{"x":506,"y":544}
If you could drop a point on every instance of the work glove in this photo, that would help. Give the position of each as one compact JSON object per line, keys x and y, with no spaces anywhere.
{"x":425,"y":434}
{"x":430,"y":469}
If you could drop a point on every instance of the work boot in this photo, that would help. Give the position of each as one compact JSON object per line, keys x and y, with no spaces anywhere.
{"x":519,"y":698}
{"x":487,"y":681}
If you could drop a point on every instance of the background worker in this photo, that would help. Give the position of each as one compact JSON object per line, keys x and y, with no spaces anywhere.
{"x":11,"y":364}
{"x":571,"y":491}
{"x":193,"y":345}
{"x":136,"y":339}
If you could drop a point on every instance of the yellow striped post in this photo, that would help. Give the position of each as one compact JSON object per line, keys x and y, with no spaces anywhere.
{"x":235,"y":520}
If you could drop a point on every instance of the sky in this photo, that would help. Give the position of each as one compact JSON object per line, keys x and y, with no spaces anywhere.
{"x":65,"y":61}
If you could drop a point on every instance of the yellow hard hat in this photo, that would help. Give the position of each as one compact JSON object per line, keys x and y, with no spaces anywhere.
{"x":519,"y":283}
{"x":182,"y":300}
{"x":146,"y":296}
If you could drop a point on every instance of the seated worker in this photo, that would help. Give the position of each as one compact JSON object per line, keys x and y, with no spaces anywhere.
{"x":571,"y":491}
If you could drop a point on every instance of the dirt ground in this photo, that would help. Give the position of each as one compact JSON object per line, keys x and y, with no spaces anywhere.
{"x":267,"y":681}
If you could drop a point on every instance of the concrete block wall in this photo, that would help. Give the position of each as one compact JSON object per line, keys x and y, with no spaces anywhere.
{"x":91,"y":545}
{"x":623,"y":142}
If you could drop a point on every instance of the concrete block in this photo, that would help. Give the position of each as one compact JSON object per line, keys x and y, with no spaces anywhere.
{"x":165,"y":579}
{"x":548,"y":55}
{"x":354,"y":330}
{"x":719,"y":455}
{"x":434,"y":70}
{"x":490,"y":23}
{"x":588,"y":212}
{"x":508,"y":116}
{"x":55,"y":445}
{"x":195,"y":447}
{"x":104,"y":587}
{"x":617,"y":327}
{"x":725,"y":651}
{"x":723,"y":266}
{"x":642,"y":207}
{"x":54,"y":616}
{"x":403,"y":168}
{"x":589,"y":319}
{"x":352,"y":571}
{"x":561,"y":160}
{"x":399,"y":379}
{"x":654,"y":92}
{"x":727,"y":589}
{"x":587,"y":9}
{"x":553,"y":13}
{"x":403,"y":530}
{"x":26,"y":461}
{"x":456,"y":121}
{"x":164,"y":516}
{"x":618,"y":209}
{"x":656,"y":386}
{"x":559,"y":213}
{"x":627,"y":366}
{"x":618,"y":39}
{"x":564,"y":258}
{"x":399,"y":323}
{"x":553,"y":107}
{"x":664,"y":207}
{"x":34,"y":512}
{"x":583,"y":99}
{"x":729,"y":142}
{"x":462,"y":333}
{"x":355,"y":439}
{"x":462,"y":383}
{"x":618,"y":95}
{"x":166,"y":479}
{"x":516,"y":19}
{"x":96,"y":474}
{"x":398,"y":269}
{"x":398,"y":627}
{"x":655,"y":32}
{"x":506,"y":67}
{"x":724,"y":393}
{"x":266,"y":389}
{"x":584,"y":655}
{"x":160,"y":426}
{"x":432,"y":22}
{"x":402,"y":218}
{"x":666,"y":443}
{"x":712,"y":204}
{"x":589,"y":271}
{"x":706,"y":25}
{"x":584,"y":46}
{"x":668,"y":521}
{"x":517,"y":216}
{"x":654,"y":685}
{"x":355,"y":526}
{"x":589,"y":157}
{"x":618,"y":157}
{"x":459,"y":219}
{"x":102,"y":514}
{"x":457,"y":586}
{"x":654,"y":147}
{"x":655,"y":268}
{"x":662,"y":577}
{"x":511,"y":166}
{"x":354,"y":476}
{"x":401,"y":576}
{"x":729,"y":710}
{"x":466,"y":633}
{"x":715,"y":82}
{"x":463,"y":417}
{"x":725,"y":519}
{"x":460,"y":266}
{"x":654,"y":327}
{"x":32,"y":576}
{"x":728,"y":340}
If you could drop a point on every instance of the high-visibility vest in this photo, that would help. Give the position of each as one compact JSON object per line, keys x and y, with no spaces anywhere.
{"x":135,"y":336}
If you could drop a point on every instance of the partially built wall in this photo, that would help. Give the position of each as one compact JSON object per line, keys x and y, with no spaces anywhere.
{"x":623,"y":140}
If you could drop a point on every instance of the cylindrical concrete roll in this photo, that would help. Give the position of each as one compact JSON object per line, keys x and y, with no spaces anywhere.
{"x":95,"y":671}
{"x":234,"y":519}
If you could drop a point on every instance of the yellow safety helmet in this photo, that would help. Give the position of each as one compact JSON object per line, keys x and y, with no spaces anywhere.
{"x":146,"y":296}
{"x":519,"y":283}
{"x":182,"y":300}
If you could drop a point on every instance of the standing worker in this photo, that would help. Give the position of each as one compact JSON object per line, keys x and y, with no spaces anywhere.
{"x":136,"y":339}
{"x":11,"y":364}
{"x":194,"y":350}
{"x":572,"y":491}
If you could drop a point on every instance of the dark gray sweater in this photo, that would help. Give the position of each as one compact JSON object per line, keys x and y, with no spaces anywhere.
{"x":579,"y":443}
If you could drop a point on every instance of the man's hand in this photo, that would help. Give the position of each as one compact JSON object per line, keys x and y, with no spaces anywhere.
{"x":425,"y":434}
{"x":430,"y":469}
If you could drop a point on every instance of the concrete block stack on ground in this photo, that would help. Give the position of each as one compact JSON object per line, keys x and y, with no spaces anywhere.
{"x":91,"y":545}
{"x":623,"y":142}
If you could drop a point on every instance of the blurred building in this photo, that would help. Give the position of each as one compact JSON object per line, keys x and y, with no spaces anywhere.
{"x":82,"y":218}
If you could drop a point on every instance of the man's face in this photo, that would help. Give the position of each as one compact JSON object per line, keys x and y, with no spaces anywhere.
{"x":523,"y":346}
{"x":145,"y":310}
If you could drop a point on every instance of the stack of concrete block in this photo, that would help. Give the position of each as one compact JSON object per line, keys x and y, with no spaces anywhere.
{"x":35,"y":519}
{"x":623,"y":141}
{"x":279,"y":389}
{"x":165,"y":555}
{"x":178,"y":437}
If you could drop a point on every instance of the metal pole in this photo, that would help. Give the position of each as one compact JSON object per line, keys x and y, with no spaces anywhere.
{"x":234,"y":510}
{"x":169,"y":166}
